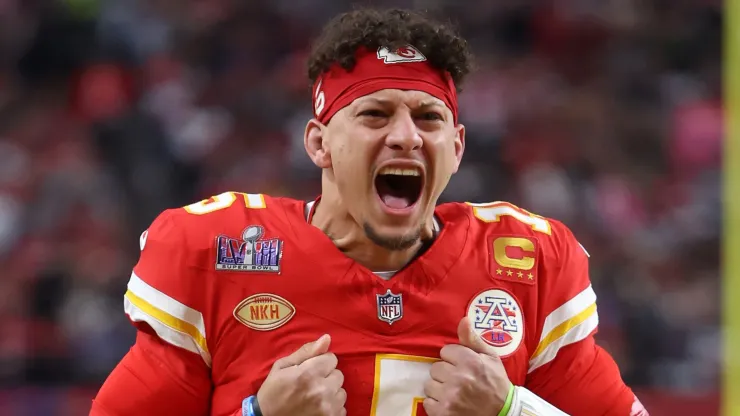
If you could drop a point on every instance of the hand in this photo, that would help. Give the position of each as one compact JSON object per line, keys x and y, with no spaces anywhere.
{"x":305,"y":383}
{"x":470,"y":380}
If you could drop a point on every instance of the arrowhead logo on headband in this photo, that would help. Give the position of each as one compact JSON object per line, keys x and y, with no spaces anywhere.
{"x":403,"y":54}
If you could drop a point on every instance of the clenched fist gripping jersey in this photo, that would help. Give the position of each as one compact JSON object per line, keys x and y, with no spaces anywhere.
{"x":226,"y":286}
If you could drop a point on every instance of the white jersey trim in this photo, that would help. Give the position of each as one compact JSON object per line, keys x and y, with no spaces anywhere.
{"x":571,"y":322}
{"x":526,"y":403}
{"x":174,"y":322}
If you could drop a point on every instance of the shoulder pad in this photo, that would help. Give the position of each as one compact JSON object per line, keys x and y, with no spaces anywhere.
{"x":226,"y":200}
{"x":510,"y":216}
{"x":503,"y":217}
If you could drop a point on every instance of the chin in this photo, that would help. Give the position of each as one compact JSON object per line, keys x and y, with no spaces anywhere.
{"x":391,"y":237}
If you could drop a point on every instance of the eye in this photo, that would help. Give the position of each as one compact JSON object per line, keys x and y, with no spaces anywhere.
{"x":431,"y":116}
{"x":372,"y":113}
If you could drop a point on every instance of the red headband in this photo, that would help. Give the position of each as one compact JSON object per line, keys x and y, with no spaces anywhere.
{"x":404,"y":69}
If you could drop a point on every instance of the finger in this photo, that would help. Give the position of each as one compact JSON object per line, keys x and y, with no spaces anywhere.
{"x":469,"y":338}
{"x":432,"y":407}
{"x":337,"y":403}
{"x":442,"y":371}
{"x":341,"y":397}
{"x":320,"y":366}
{"x":307,"y":351}
{"x":456,"y":354}
{"x":434,"y":389}
{"x":335,"y":379}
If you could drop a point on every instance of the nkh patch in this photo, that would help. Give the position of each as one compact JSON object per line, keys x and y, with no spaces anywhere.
{"x":264,"y":311}
{"x":390,"y":307}
{"x":497,"y":318}
{"x":250,"y":253}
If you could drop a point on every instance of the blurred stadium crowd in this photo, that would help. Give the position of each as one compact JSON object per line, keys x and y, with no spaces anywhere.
{"x":604,"y":114}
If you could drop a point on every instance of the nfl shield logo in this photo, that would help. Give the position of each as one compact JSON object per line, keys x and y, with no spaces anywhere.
{"x":390,"y":307}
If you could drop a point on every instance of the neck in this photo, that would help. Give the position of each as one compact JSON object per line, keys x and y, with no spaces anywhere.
{"x":335,"y":221}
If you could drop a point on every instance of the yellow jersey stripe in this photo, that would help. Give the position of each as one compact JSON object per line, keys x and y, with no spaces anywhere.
{"x":166,"y":303}
{"x":575,"y":334}
{"x":168,"y":320}
{"x":170,"y":329}
{"x":562,"y":329}
{"x":568,"y":310}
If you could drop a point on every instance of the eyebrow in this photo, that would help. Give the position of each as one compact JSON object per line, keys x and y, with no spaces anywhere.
{"x":430,"y":103}
{"x":422,"y":105}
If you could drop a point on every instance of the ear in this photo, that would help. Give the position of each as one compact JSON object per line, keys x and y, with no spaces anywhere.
{"x":459,"y":145}
{"x":313,"y":141}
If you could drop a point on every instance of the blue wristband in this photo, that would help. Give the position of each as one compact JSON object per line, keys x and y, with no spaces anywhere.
{"x":248,"y":406}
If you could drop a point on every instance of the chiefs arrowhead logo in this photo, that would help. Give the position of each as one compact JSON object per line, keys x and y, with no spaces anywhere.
{"x":401,"y":55}
{"x":497,"y":318}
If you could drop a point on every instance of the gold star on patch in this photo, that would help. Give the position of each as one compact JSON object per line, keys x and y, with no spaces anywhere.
{"x":509,"y":273}
{"x":530,"y":276}
{"x":520,"y":274}
{"x":499,"y":271}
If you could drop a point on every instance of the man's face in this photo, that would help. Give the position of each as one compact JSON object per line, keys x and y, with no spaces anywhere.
{"x":390,"y":155}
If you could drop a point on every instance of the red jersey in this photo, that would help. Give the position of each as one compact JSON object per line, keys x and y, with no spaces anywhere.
{"x":226,"y":286}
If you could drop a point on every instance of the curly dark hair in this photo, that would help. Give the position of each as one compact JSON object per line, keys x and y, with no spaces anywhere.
{"x":393,"y":28}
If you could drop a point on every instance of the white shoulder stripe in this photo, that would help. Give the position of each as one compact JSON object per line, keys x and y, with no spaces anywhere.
{"x":571,"y":322}
{"x":166,"y":303}
{"x":173,"y":336}
{"x":568,"y":310}
{"x":575,"y":334}
{"x":173,"y":321}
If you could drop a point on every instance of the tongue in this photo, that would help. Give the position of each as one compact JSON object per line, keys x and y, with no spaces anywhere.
{"x":396,"y":202}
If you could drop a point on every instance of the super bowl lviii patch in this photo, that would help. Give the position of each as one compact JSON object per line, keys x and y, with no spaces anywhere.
{"x":250,"y":253}
{"x":497,"y":318}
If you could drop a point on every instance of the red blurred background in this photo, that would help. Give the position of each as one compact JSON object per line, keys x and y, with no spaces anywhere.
{"x":604,"y":114}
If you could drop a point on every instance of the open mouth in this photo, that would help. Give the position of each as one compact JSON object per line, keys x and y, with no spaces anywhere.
{"x":399,"y":188}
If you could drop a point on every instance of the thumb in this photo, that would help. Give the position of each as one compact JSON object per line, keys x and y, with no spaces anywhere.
{"x":308,"y":350}
{"x":469,"y":338}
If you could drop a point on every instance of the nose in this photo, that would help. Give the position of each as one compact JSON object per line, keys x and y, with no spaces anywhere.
{"x":403,"y":134}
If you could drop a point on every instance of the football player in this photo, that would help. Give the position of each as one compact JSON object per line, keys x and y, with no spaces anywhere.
{"x":372,"y":299}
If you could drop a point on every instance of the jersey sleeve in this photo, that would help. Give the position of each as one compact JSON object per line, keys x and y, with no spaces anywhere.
{"x":167,"y":371}
{"x":567,"y":368}
{"x":155,"y":378}
{"x":165,"y":294}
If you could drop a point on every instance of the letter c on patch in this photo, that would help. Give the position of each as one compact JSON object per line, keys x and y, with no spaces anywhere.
{"x":526,"y":262}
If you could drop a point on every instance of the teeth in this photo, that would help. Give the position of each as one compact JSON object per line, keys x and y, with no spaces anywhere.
{"x":399,"y":171}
